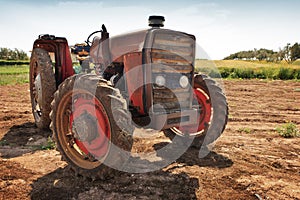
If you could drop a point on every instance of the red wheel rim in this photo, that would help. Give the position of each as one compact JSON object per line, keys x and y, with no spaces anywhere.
{"x":203,"y":118}
{"x":99,"y":146}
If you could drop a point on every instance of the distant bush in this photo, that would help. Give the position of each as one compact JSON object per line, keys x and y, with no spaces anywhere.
{"x":282,"y":73}
{"x":238,"y":69}
{"x":14,"y":62}
{"x":225,"y":72}
{"x":297,"y":74}
{"x":285,"y":74}
{"x":288,"y":130}
{"x":246,"y":73}
{"x":267,"y":73}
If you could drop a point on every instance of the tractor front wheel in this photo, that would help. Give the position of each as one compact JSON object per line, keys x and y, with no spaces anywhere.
{"x":91,"y":126}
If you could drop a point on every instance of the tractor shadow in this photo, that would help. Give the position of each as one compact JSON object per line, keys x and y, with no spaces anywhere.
{"x":61,"y":184}
{"x":191,"y":157}
{"x":160,"y":184}
{"x":22,"y":139}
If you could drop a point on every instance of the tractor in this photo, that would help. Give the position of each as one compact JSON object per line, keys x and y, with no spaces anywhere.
{"x":143,"y":79}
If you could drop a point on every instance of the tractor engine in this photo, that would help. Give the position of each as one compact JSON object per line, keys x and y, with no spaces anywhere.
{"x":154,"y":68}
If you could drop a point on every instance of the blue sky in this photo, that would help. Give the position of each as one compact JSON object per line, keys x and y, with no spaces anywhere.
{"x":221,"y":27}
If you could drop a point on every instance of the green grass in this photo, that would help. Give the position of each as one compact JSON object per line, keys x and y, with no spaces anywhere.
{"x":16,"y":69}
{"x":50,"y":145}
{"x":15,"y":74}
{"x":288,"y":130}
{"x":237,"y":69}
{"x":3,"y":143}
{"x":245,"y":130}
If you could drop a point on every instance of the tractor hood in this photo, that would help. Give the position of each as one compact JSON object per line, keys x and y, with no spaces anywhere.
{"x":105,"y":52}
{"x":112,"y":49}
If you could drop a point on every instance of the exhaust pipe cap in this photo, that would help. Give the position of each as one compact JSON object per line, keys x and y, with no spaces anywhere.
{"x":156,"y":21}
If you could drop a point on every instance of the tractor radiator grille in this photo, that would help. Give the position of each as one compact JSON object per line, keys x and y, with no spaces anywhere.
{"x":172,"y":57}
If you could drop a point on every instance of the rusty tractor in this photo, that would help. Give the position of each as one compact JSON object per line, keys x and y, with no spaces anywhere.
{"x":140,"y":79}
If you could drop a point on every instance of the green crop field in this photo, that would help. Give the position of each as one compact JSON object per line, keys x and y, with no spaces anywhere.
{"x":14,"y":74}
{"x":249,"y":69}
{"x":232,"y":69}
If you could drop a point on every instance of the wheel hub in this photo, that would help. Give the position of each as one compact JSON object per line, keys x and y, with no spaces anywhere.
{"x":85,"y":128}
{"x":38,"y":89}
{"x":90,"y":127}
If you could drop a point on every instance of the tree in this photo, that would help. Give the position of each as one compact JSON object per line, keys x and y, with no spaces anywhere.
{"x":280,"y":54}
{"x":295,"y":52}
{"x":261,"y":54}
{"x":4,"y":53}
{"x":16,"y":54}
{"x":288,"y":53}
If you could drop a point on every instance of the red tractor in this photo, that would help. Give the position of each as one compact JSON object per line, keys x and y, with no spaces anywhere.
{"x":140,"y":79}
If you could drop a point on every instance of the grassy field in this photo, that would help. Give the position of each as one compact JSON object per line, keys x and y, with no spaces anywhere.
{"x":14,"y":74}
{"x":249,"y":69}
{"x":232,"y":69}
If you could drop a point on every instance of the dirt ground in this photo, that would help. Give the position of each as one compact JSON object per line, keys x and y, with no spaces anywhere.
{"x":249,"y":161}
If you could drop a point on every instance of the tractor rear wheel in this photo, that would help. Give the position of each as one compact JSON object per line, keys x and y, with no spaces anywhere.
{"x":91,"y":126}
{"x":212,"y":119}
{"x":42,"y":86}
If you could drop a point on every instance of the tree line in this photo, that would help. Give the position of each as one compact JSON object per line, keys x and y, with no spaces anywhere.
{"x":289,"y":53}
{"x":13,"y":54}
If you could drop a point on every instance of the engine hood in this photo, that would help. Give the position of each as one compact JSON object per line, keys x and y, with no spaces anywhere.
{"x":112,"y":49}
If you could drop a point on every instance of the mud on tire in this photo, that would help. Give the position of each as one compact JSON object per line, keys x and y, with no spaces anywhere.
{"x":42,"y":86}
{"x":80,"y":145}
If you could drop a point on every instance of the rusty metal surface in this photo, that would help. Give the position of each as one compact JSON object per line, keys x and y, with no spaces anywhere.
{"x":162,"y":121}
{"x":172,"y":55}
{"x":135,"y":81}
{"x":59,"y":46}
{"x":118,"y":46}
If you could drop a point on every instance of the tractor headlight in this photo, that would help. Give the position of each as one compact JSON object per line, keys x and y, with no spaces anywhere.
{"x":184,"y":81}
{"x":160,"y":80}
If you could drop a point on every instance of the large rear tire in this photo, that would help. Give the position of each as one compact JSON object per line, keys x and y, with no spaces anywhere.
{"x":213,"y":115}
{"x":42,"y":86}
{"x":91,"y":126}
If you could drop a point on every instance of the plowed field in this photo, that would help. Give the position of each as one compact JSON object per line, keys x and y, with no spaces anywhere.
{"x":249,"y":161}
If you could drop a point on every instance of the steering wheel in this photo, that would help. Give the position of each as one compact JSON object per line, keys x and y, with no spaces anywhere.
{"x":88,"y":42}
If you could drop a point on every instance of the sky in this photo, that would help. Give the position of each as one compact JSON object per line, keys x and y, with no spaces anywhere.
{"x":221,"y":27}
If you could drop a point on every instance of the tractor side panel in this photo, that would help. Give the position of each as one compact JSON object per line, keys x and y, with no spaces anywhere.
{"x":135,"y":81}
{"x":63,"y":62}
{"x":110,"y":50}
{"x":67,"y":68}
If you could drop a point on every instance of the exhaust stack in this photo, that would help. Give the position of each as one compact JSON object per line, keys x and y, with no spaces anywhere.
{"x":156,"y":21}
